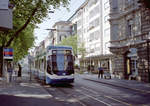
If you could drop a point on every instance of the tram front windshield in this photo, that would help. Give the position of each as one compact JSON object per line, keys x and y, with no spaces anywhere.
{"x":62,"y":61}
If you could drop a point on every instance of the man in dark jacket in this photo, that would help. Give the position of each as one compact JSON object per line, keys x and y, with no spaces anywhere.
{"x":100,"y":72}
{"x":19,"y":71}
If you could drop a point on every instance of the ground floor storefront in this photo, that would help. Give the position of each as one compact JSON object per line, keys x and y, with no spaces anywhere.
{"x":132,"y":62}
{"x":92,"y":63}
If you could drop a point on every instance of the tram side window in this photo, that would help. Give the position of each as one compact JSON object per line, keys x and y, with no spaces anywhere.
{"x":54,"y":65}
{"x":70,"y":68}
{"x":53,"y":58}
{"x":68,"y":52}
{"x":49,"y":68}
{"x":69,"y":58}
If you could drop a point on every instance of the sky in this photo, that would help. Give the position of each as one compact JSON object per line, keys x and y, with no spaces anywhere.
{"x":61,"y":14}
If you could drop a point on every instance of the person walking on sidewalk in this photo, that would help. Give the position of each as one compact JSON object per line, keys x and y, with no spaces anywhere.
{"x":100,"y":72}
{"x":14,"y":74}
{"x":19,"y":71}
{"x":10,"y":71}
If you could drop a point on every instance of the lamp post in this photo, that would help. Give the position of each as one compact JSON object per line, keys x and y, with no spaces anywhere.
{"x":29,"y":63}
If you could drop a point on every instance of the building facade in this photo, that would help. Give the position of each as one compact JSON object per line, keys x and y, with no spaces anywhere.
{"x":129,"y":42}
{"x":93,"y":32}
{"x":61,"y":30}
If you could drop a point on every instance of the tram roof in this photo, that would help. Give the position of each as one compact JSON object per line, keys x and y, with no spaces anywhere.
{"x":59,"y":47}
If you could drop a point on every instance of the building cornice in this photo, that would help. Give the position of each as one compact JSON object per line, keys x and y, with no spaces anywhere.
{"x":118,"y":15}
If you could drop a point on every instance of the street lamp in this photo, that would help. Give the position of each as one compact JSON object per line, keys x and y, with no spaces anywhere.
{"x":29,"y":63}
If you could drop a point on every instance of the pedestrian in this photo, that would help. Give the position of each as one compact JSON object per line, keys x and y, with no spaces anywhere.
{"x":14,"y":74}
{"x":100,"y":72}
{"x":10,"y":71}
{"x":19,"y":71}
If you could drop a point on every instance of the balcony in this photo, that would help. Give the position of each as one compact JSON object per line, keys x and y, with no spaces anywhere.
{"x":128,"y":41}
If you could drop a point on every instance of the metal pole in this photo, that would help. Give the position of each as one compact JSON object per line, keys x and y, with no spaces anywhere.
{"x":30,"y":70}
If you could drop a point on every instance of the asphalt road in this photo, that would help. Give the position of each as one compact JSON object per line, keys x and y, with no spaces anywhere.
{"x":89,"y":93}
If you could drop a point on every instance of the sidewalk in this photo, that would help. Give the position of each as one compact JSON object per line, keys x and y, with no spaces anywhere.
{"x":128,"y":84}
{"x":24,"y":92}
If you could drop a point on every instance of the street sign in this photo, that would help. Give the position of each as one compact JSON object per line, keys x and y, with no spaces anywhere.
{"x":133,"y":52}
{"x":8,"y":53}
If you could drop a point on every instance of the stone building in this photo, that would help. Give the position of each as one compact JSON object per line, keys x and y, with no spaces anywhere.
{"x":61,"y":30}
{"x":129,"y":40}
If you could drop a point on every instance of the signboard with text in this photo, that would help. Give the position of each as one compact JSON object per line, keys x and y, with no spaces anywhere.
{"x":8,"y":53}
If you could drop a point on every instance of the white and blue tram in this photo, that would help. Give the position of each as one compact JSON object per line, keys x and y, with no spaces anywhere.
{"x":58,"y":65}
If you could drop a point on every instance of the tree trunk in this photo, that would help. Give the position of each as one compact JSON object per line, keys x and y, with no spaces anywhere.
{"x":1,"y":61}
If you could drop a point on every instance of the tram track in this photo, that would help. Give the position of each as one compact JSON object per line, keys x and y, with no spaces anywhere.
{"x":122,"y":98}
{"x":80,"y":96}
{"x":86,"y":95}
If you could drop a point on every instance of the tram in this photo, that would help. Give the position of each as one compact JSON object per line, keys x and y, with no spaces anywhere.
{"x":58,"y":65}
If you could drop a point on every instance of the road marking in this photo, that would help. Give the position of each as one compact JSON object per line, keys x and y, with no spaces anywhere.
{"x":108,"y":97}
{"x":80,"y":102}
{"x":143,"y":91}
{"x":89,"y":90}
{"x":94,"y":98}
{"x":118,"y":100}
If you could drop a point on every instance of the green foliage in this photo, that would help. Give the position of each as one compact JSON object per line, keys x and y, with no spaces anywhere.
{"x":82,"y":50}
{"x":22,"y":44}
{"x":70,"y":41}
{"x":26,"y":14}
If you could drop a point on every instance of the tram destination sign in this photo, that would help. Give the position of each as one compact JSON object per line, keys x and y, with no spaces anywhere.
{"x":8,"y":53}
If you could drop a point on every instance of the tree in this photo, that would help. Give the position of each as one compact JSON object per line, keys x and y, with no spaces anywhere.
{"x":26,"y":13}
{"x":22,"y":44}
{"x":82,"y":50}
{"x":70,"y":41}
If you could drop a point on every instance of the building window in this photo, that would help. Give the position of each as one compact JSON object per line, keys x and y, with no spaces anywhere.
{"x":106,"y":18}
{"x":94,"y":12}
{"x":129,"y":2}
{"x":107,"y":32}
{"x":106,"y":5}
{"x":129,"y":27}
{"x":114,"y":4}
{"x":94,"y":36}
{"x":114,"y":32}
{"x":94,"y":23}
{"x":79,"y":23}
{"x":92,"y":2}
{"x":59,"y":38}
